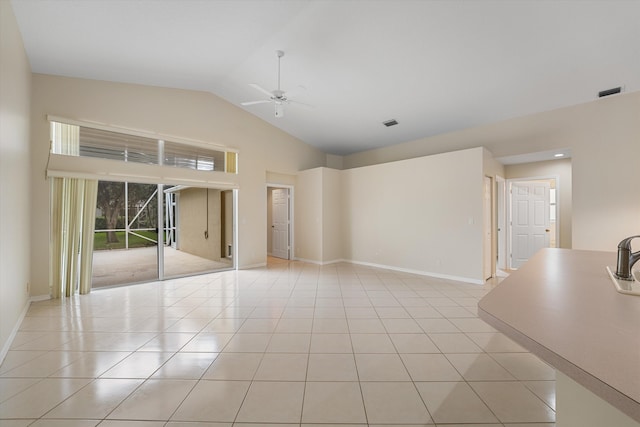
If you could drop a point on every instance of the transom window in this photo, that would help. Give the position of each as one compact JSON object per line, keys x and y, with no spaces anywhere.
{"x":85,"y":141}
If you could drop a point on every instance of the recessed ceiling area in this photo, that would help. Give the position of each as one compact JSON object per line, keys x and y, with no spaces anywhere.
{"x":434,"y":66}
{"x":539,"y":156}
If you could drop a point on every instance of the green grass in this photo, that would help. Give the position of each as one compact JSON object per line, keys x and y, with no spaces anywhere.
{"x":100,"y":240}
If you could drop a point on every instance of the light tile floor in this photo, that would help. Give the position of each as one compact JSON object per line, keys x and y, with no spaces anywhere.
{"x":291,"y":344}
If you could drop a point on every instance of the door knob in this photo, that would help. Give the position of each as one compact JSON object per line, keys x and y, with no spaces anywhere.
{"x":547,"y":230}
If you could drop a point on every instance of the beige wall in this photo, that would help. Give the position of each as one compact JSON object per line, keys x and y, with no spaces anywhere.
{"x":308,"y":216}
{"x":15,"y":235}
{"x":193,"y":221}
{"x":603,"y":136}
{"x":554,"y":168}
{"x":606,"y":174}
{"x":319,"y":216}
{"x":422,"y":215}
{"x":332,"y":215}
{"x":187,"y":114}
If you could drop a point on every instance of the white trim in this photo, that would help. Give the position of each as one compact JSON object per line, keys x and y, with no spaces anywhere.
{"x":141,"y":133}
{"x":291,"y":202}
{"x":236,"y":241}
{"x":16,"y":327}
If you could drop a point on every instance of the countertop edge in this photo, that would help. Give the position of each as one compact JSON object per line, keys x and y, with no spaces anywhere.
{"x":601,"y":389}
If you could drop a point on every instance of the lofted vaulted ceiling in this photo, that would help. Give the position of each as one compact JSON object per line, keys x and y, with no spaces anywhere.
{"x":434,"y":66}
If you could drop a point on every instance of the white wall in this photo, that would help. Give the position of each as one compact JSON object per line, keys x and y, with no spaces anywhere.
{"x":604,"y":138}
{"x":422,"y":214}
{"x":15,"y":235}
{"x":188,"y":114}
{"x":561,"y":169}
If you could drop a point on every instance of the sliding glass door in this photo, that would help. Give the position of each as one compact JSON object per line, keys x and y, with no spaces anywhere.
{"x":197,"y":237}
{"x":126,"y":237}
{"x":147,"y":232}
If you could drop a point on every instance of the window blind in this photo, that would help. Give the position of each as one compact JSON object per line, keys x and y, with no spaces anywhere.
{"x":112,"y":145}
{"x":117,"y":146}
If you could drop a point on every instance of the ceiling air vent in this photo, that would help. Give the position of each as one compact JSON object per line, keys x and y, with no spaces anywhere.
{"x":609,"y":91}
{"x":390,"y":123}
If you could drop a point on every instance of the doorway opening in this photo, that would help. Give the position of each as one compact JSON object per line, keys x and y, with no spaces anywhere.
{"x":279,"y":221}
{"x":532,"y":215}
{"x":147,"y":232}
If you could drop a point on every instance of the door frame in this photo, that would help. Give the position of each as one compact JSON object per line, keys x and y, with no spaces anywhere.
{"x":508,"y":202}
{"x":488,"y":261}
{"x":291,"y":214}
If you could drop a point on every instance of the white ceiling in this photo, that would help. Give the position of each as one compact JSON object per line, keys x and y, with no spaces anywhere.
{"x":435,"y":66}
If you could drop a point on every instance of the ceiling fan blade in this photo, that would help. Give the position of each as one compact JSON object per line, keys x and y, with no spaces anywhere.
{"x":261,"y":89}
{"x":293,"y":93}
{"x":301,"y":104}
{"x":264,"y":101}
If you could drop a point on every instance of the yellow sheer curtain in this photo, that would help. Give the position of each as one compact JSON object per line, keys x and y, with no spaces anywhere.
{"x":73,"y":212}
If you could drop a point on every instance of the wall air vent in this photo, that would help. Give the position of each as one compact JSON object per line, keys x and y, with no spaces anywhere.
{"x":608,"y":92}
{"x":391,"y":122}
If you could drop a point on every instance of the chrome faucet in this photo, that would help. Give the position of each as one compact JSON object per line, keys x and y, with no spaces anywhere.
{"x":626,"y":259}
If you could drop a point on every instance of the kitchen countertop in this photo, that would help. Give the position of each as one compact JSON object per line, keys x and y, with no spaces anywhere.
{"x":562,"y":306}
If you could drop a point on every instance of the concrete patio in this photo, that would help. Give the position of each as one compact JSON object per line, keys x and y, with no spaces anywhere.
{"x":123,"y":266}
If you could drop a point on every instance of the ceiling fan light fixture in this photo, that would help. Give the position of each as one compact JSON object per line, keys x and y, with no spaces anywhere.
{"x":279,"y":110}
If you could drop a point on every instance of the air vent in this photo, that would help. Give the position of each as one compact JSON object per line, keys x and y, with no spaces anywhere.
{"x":609,"y":91}
{"x":390,"y":123}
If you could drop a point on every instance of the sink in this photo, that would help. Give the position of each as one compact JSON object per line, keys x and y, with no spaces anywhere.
{"x":629,"y":287}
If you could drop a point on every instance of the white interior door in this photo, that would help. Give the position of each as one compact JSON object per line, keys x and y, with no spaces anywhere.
{"x":502,"y":226}
{"x":488,"y":229}
{"x":280,"y":226}
{"x":530,"y":220}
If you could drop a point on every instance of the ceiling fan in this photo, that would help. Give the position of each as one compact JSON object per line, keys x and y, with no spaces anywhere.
{"x":277,"y":97}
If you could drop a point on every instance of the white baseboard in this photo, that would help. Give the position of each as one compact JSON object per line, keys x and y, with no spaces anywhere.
{"x":419,"y":272}
{"x":40,"y":298}
{"x":16,"y":327}
{"x":250,"y":266}
{"x":311,"y":261}
{"x":393,"y":268}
